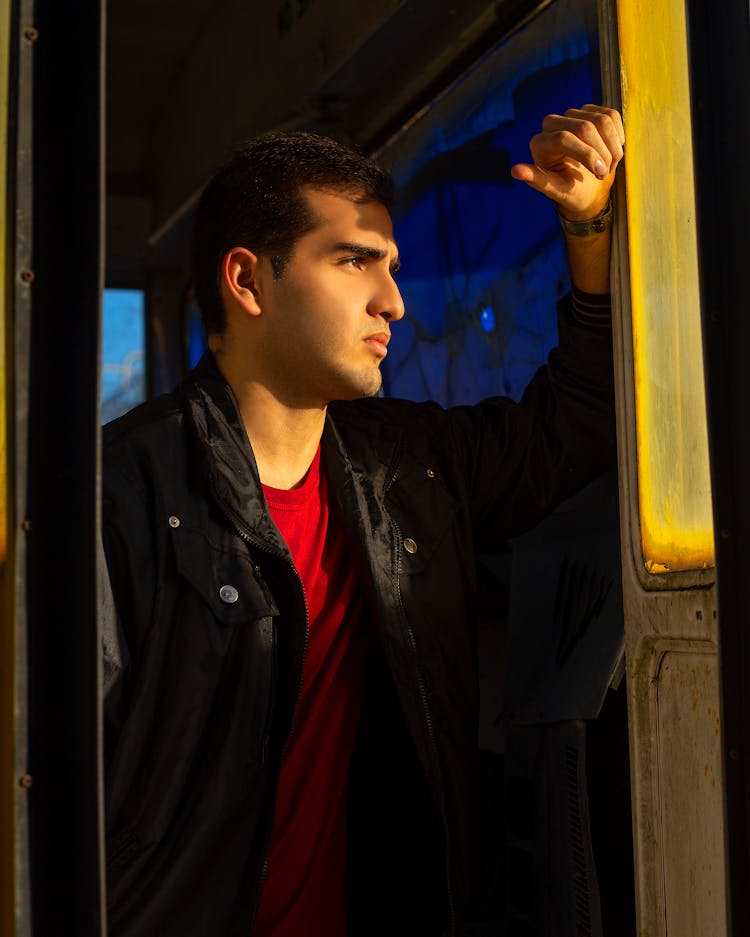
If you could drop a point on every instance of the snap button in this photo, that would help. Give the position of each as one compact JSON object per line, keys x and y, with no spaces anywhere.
{"x":174,"y":521}
{"x":228,"y":594}
{"x":430,"y":473}
{"x":410,"y":545}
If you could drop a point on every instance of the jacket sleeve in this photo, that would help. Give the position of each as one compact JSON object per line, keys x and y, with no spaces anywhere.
{"x":116,"y":655}
{"x":126,"y":589}
{"x":525,"y":458}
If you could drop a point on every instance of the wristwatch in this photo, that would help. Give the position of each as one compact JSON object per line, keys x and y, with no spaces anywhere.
{"x":594,"y":225}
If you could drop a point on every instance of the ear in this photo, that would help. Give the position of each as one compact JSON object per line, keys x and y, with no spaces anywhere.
{"x":239,"y":279}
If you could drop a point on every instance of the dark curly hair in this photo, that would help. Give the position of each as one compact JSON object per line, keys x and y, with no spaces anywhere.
{"x":254,"y":201}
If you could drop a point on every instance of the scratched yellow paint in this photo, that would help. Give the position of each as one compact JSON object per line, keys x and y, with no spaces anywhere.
{"x":673,"y":467}
{"x":4,"y":375}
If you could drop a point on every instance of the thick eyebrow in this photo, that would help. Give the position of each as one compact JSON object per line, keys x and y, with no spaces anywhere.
{"x":362,"y":250}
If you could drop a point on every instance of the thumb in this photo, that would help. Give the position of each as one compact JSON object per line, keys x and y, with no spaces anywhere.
{"x":533,"y":176}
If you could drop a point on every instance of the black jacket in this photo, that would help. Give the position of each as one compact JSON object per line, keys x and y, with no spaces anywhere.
{"x":201,"y":691}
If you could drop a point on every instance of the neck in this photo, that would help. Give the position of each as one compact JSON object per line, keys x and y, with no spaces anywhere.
{"x":284,"y":441}
{"x":284,"y":437}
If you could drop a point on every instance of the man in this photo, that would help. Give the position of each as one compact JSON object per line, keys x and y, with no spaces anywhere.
{"x":291,"y":699}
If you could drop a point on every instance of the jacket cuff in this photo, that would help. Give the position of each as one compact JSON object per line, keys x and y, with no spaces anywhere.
{"x":592,"y":309}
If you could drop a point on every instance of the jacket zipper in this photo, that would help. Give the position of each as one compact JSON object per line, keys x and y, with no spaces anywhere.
{"x":425,"y":710}
{"x":249,"y":539}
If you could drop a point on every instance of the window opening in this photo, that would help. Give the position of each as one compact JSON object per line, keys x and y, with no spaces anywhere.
{"x":483,"y":262}
{"x":123,"y":352}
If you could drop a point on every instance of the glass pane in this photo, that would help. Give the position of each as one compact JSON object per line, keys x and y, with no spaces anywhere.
{"x":123,"y":352}
{"x":673,"y":469}
{"x":195,"y":336}
{"x":483,"y":261}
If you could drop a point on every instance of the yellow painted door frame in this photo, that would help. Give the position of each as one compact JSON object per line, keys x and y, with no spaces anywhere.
{"x":669,"y":591}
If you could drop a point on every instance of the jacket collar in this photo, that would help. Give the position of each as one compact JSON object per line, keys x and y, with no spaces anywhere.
{"x":357,"y":443}
{"x":224,"y":454}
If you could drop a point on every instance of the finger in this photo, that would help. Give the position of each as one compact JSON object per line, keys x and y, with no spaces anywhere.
{"x":595,"y":126}
{"x":522,"y":171}
{"x":533,"y":176}
{"x":608,"y":124}
{"x":613,"y":114}
{"x":558,"y":143}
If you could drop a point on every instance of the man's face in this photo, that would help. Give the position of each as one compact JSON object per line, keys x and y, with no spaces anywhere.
{"x":327,"y":319}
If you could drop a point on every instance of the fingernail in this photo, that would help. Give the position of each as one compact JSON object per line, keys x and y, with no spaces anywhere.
{"x":600,"y":170}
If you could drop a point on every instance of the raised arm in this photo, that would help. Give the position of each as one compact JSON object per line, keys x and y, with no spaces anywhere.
{"x":575,"y":158}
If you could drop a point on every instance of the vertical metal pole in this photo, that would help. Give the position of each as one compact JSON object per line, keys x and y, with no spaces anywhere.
{"x":65,"y":282}
{"x":13,"y":868}
{"x":719,"y":48}
{"x":18,"y":921}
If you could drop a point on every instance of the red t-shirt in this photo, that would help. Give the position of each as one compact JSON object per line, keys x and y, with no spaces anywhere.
{"x":303,"y":893}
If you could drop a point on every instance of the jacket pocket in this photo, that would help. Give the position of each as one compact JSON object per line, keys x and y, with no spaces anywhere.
{"x":226,"y":578}
{"x":424,"y":511}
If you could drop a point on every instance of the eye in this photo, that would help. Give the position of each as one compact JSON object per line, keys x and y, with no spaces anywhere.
{"x":354,"y":262}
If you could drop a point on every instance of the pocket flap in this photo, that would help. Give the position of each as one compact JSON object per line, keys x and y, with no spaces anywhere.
{"x":226,"y":577}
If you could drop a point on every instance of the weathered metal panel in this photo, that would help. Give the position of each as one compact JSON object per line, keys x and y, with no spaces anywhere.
{"x":675,"y":728}
{"x":686,"y":695}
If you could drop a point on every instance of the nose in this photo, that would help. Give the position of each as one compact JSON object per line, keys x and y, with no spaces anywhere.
{"x":387,"y":302}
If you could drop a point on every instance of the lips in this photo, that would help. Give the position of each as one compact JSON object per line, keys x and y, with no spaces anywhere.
{"x":378,"y":342}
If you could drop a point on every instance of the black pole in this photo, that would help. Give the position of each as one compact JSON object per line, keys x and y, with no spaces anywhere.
{"x":719,"y":52}
{"x":65,"y":287}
